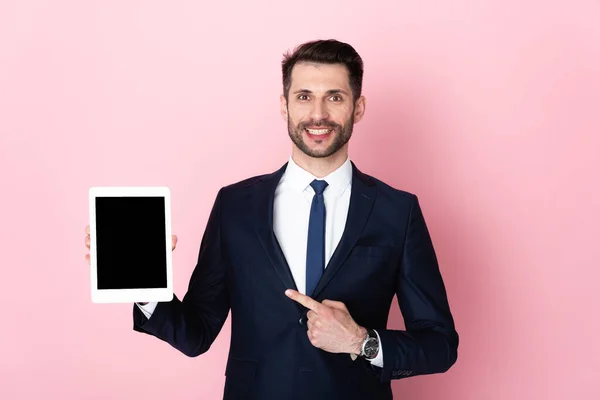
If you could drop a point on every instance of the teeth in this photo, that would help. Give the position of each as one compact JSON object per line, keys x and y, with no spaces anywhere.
{"x":318,"y":131}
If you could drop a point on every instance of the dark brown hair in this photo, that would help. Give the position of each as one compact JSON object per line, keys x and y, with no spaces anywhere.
{"x":325,"y":52}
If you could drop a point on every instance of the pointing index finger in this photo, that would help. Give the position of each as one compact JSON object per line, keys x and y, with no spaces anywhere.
{"x":306,"y":301}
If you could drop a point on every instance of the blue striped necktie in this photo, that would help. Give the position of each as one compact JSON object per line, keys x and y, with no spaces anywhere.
{"x":315,"y":250}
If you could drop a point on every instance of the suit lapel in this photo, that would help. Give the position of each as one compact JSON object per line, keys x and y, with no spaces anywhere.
{"x":362,"y":198}
{"x":264,"y":196}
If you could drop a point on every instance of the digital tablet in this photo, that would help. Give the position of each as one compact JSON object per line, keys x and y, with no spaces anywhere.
{"x":130,"y":244}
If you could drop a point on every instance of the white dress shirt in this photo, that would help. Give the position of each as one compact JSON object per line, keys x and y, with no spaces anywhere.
{"x":291,"y":210}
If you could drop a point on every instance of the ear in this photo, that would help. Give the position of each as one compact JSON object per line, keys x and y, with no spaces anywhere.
{"x":283,"y":111}
{"x":359,"y":108}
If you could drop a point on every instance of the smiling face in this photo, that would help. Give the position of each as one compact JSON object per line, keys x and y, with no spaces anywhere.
{"x":320,"y":110}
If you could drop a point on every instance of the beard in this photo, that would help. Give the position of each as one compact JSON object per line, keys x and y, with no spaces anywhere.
{"x":341,"y":135}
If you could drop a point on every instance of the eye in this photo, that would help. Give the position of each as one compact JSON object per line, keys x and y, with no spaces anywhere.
{"x":302,"y":97}
{"x":336,"y":98}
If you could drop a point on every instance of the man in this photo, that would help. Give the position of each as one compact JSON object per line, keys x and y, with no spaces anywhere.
{"x":308,"y":260}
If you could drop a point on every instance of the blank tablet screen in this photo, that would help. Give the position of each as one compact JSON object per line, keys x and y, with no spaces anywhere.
{"x":131,"y":242}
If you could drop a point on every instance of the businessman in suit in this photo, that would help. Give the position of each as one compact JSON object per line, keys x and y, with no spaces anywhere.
{"x":308,"y":259}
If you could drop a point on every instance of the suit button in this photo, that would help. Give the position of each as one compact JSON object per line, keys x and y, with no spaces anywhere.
{"x":301,"y":321}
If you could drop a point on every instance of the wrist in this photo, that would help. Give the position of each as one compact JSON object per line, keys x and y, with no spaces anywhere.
{"x":360,"y":338}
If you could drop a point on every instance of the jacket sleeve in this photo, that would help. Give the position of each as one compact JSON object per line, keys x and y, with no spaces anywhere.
{"x":192,"y":324}
{"x":430,"y":342}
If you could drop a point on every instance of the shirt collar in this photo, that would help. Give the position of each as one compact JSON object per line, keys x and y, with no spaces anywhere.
{"x":299,"y":179}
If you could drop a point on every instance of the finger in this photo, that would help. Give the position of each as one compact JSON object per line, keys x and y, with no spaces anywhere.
{"x":87,"y":241}
{"x":306,"y":301}
{"x":173,"y":242}
{"x":311,"y":338}
{"x":311,"y":315}
{"x":87,"y":257}
{"x":87,"y":229}
{"x":313,"y":324}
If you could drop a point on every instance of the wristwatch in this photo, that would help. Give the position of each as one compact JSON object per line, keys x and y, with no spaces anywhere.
{"x":370,"y":346}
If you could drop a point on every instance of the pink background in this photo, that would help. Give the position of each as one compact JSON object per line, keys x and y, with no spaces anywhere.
{"x":488,"y":110}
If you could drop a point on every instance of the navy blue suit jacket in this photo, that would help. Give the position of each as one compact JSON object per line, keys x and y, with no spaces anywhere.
{"x":384,"y":251}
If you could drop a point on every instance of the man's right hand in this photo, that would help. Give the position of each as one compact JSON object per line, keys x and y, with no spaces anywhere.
{"x":87,"y":244}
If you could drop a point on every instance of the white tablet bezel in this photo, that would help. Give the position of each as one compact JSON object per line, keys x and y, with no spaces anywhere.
{"x":130,"y":295}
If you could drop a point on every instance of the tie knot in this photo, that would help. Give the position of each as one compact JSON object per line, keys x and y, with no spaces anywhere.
{"x":319,"y":186}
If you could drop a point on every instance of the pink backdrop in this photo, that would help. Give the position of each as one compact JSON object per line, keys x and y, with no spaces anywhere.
{"x":488,"y":110}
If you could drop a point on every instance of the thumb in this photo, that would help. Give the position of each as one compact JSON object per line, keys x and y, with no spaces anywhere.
{"x":335,"y":304}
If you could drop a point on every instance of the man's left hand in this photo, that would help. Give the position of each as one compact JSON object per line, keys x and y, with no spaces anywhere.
{"x":330,"y":325}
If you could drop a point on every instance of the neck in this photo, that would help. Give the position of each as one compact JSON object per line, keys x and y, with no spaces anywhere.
{"x":323,"y":166}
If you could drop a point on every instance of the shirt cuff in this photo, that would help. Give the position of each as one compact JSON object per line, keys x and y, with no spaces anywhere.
{"x":148,"y":309}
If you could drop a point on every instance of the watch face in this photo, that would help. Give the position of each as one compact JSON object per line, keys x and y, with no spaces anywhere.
{"x":371,"y":348}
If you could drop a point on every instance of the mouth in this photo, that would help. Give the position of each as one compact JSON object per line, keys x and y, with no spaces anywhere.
{"x":318,"y":133}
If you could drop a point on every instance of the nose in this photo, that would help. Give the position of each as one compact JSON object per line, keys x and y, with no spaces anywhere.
{"x":319,"y":111}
